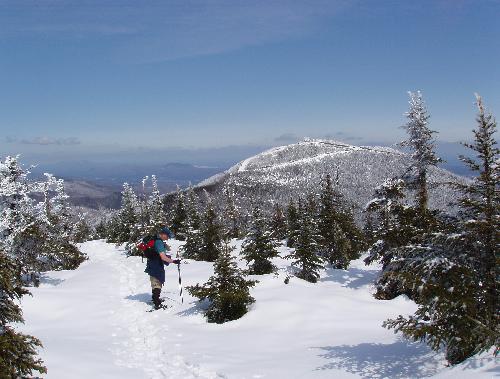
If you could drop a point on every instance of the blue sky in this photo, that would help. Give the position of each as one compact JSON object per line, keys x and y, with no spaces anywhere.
{"x":95,"y":77}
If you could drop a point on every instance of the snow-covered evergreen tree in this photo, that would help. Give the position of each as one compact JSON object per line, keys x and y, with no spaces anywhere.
{"x":278,"y":223}
{"x":193,"y":214}
{"x":17,"y":351}
{"x":128,"y":217}
{"x":340,"y":239}
{"x":480,"y":203}
{"x":157,"y":216}
{"x":305,"y":256}
{"x":192,"y":248}
{"x":386,"y":210}
{"x":259,"y":246}
{"x":81,"y":230}
{"x":228,"y":290}
{"x":55,"y":232}
{"x":396,"y":226}
{"x":454,"y":272}
{"x":422,"y":145}
{"x":17,"y":213}
{"x":179,"y":217}
{"x":232,"y":227}
{"x":101,"y":229}
{"x":211,"y":233}
{"x":293,"y":224}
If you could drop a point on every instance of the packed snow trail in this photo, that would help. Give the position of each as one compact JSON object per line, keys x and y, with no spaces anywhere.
{"x":94,"y":323}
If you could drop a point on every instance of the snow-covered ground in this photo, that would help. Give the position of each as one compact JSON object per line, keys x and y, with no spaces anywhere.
{"x":94,"y":323}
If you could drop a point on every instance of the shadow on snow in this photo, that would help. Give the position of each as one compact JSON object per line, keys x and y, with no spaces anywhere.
{"x":400,"y":359}
{"x":351,"y":278}
{"x":46,"y":279}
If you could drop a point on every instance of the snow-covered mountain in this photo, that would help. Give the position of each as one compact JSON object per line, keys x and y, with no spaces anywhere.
{"x":285,"y":172}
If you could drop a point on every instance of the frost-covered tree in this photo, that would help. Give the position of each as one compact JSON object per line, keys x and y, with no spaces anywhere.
{"x":293,"y":224}
{"x":17,"y":351}
{"x":127,"y":219}
{"x":228,"y":290}
{"x":231,"y":214}
{"x":81,"y":230}
{"x":454,"y":273}
{"x":179,"y":217}
{"x":101,"y":229}
{"x":396,"y":226}
{"x":192,"y":248}
{"x":480,"y":203}
{"x":37,"y":234}
{"x":17,"y":213}
{"x":422,"y":145}
{"x":386,"y":211}
{"x":278,"y":223}
{"x":211,"y":233}
{"x":259,"y":246}
{"x":340,"y":239}
{"x":193,"y":214}
{"x":157,"y":216}
{"x":55,"y":233}
{"x":305,"y":256}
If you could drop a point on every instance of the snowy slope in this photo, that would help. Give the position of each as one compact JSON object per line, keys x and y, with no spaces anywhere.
{"x":295,"y":170}
{"x":93,"y":323}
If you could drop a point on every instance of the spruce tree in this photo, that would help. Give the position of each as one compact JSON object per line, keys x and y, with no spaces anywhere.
{"x":480,"y":203}
{"x":278,"y":223}
{"x":340,"y":239}
{"x":293,"y":224}
{"x":396,"y":226}
{"x":17,"y":351}
{"x":228,"y":291}
{"x":232,"y":227}
{"x":81,"y":230}
{"x":333,"y":242}
{"x":128,"y":216}
{"x":211,"y":233}
{"x":179,"y":218}
{"x":17,"y":214}
{"x":157,"y":216}
{"x":101,"y":229}
{"x":193,"y":215}
{"x":192,"y":248}
{"x":422,"y":145}
{"x":259,"y":246}
{"x":305,"y":256}
{"x":454,"y":272}
{"x":55,"y":233}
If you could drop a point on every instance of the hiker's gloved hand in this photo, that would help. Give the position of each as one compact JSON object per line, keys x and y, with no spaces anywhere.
{"x":176,"y":261}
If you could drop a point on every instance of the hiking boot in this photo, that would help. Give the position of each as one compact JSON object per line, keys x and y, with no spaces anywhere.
{"x":156,"y":298}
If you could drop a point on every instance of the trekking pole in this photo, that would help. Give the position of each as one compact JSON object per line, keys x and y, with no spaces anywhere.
{"x":180,"y":284}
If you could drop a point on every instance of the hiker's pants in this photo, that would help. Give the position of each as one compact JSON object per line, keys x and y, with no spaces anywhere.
{"x":155,"y":283}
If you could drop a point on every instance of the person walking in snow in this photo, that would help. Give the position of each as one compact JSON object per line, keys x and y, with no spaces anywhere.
{"x":157,"y":259}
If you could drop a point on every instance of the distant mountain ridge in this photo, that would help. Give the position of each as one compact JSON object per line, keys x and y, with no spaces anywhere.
{"x":291,"y":171}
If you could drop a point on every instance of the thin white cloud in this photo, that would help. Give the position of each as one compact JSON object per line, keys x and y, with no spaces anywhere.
{"x":44,"y":141}
{"x":156,"y":31}
{"x":287,"y":138}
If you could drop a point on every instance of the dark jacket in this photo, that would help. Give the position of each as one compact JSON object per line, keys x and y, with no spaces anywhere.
{"x":155,"y":267}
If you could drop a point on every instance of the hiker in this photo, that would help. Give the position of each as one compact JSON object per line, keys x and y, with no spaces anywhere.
{"x":156,"y":261}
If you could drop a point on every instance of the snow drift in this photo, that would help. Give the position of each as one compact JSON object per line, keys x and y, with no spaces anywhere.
{"x":93,"y":323}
